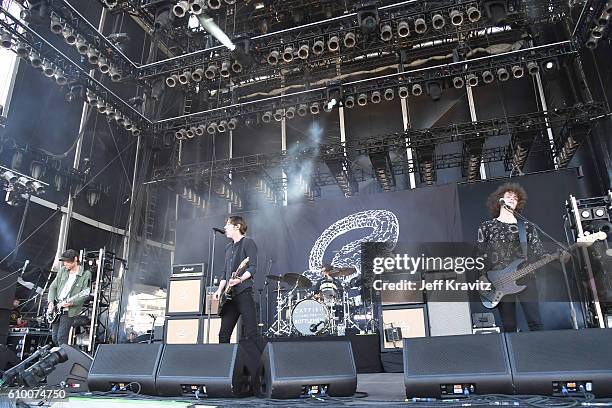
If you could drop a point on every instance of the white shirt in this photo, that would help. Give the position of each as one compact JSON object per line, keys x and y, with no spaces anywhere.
{"x":66,"y":289}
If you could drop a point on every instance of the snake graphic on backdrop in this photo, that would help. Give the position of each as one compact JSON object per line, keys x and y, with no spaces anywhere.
{"x":384,"y":228}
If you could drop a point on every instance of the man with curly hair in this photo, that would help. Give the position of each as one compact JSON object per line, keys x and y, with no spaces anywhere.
{"x":498,"y":239}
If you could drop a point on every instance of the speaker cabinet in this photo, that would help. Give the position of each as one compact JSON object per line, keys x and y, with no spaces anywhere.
{"x":119,"y":366}
{"x":183,"y":330}
{"x":214,"y":370}
{"x":215,"y":325}
{"x":292,"y":369}
{"x":558,"y":362}
{"x":411,"y":321}
{"x":73,"y":372}
{"x":451,"y":366}
{"x":185,"y":296}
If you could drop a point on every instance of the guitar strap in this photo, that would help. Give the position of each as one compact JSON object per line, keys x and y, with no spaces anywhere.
{"x":522,"y":230}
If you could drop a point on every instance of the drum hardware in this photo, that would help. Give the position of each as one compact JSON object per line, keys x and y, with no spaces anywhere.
{"x":296,"y":279}
{"x":341,"y":273}
{"x":280,"y":326}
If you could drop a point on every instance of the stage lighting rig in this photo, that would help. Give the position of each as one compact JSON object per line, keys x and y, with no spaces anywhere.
{"x":368,"y":18}
{"x":17,"y":184}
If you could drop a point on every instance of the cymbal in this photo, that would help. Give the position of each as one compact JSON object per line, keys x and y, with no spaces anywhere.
{"x":277,"y":278}
{"x":338,"y":273}
{"x":293,"y":278}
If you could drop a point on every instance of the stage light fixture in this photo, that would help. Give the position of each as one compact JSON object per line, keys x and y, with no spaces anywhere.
{"x":417,"y":90}
{"x":214,"y":4}
{"x":110,"y":3}
{"x":290,"y":112}
{"x":92,"y":55}
{"x":114,"y":73}
{"x":403,"y":29}
{"x":473,"y":13}
{"x":487,"y":77}
{"x":48,"y":68}
{"x":190,"y":133}
{"x":318,"y":47}
{"x":434,"y":89}
{"x":119,"y":118}
{"x":101,"y":105}
{"x":362,"y":99}
{"x":184,"y":77}
{"x":533,"y":68}
{"x":93,"y":196}
{"x":92,"y":99}
{"x":437,"y":21}
{"x":197,"y":75}
{"x":333,"y":44}
{"x":172,"y":80}
{"x":591,"y":42}
{"x":103,"y":65}
{"x":350,"y":40}
{"x":550,"y":65}
{"x":367,"y":18}
{"x":127,"y":125}
{"x":598,"y":32}
{"x":68,"y":34}
{"x":181,"y":8}
{"x":211,"y":128}
{"x":198,"y":6}
{"x":22,"y":50}
{"x":37,"y":169}
{"x":456,"y":17}
{"x":266,"y":117}
{"x":302,"y":110}
{"x":200,"y":130}
{"x":9,"y":177}
{"x":278,"y":115}
{"x":273,"y":57}
{"x":458,"y":82}
{"x":288,"y":54}
{"x":503,"y":75}
{"x":81,"y":45}
{"x":225,"y":69}
{"x":35,"y":59}
{"x":6,"y":40}
{"x":232,"y":124}
{"x":496,"y":11}
{"x":385,"y":32}
{"x":136,"y":131}
{"x":314,"y":108}
{"x":211,"y":72}
{"x":60,"y":77}
{"x":389,"y":94}
{"x":420,"y":26}
{"x":74,"y":93}
{"x":517,"y":71}
{"x":303,"y":51}
{"x":349,"y":102}
{"x":472,"y":79}
{"x":403,"y":92}
{"x":56,"y":24}
{"x":110,"y":111}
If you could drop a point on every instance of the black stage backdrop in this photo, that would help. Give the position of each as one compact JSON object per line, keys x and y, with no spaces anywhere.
{"x":286,"y":236}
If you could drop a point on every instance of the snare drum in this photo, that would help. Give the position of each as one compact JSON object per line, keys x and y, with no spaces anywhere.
{"x":309,"y":317}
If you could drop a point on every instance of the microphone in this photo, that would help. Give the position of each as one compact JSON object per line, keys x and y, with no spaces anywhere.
{"x":219,"y":230}
{"x":503,"y":204}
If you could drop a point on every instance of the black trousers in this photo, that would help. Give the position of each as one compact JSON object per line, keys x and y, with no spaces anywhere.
{"x":60,"y":329}
{"x":240,"y":305}
{"x":528,"y":301}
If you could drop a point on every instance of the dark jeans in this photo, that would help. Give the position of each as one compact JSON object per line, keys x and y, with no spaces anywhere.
{"x":528,"y":301}
{"x":61,"y":328}
{"x":240,"y":305}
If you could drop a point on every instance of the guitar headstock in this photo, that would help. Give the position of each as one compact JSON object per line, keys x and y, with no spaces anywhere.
{"x":589,"y":239}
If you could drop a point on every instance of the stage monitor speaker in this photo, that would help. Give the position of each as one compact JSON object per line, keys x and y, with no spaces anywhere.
{"x":294,"y":369}
{"x":215,"y":325}
{"x":185,"y":296}
{"x":559,"y":362}
{"x":456,"y":366}
{"x":183,"y":330}
{"x":125,"y":367}
{"x":448,"y":315}
{"x":213,"y":370}
{"x":8,"y":358}
{"x":72,"y":373}
{"x":410,"y":320}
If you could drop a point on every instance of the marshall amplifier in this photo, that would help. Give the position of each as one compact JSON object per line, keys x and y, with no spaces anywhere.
{"x":186,"y":290}
{"x":189,"y":270}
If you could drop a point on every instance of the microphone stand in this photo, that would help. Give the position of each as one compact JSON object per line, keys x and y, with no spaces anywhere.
{"x":563,"y":268}
{"x":210,"y":283}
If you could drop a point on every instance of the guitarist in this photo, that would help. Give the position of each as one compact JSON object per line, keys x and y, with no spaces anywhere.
{"x":71,"y":279}
{"x":241,"y":303}
{"x":498,"y":240}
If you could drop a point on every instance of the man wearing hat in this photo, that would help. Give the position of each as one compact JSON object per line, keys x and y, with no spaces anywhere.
{"x":69,"y":290}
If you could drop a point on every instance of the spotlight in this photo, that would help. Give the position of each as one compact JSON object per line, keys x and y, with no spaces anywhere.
{"x":181,"y":134}
{"x":327,"y":107}
{"x":303,"y":51}
{"x":214,"y":4}
{"x":103,"y":65}
{"x":318,"y":47}
{"x":56,"y":24}
{"x":314,"y":108}
{"x":333,"y":44}
{"x":190,"y":133}
{"x":35,"y":59}
{"x":386,"y":33}
{"x":74,"y":93}
{"x":434,"y":89}
{"x":119,"y":118}
{"x":92,"y":56}
{"x":420,"y":26}
{"x":81,"y":45}
{"x":550,"y":65}
{"x":225,"y":67}
{"x":110,"y":111}
{"x":127,"y":125}
{"x":101,"y":105}
{"x":517,"y":71}
{"x":10,"y":177}
{"x":172,"y":80}
{"x":222,"y":127}
{"x":197,"y":74}
{"x":37,"y":169}
{"x":367,"y":18}
{"x":533,"y":68}
{"x":273,"y":57}
{"x":437,"y":21}
{"x":389,"y":94}
{"x":362,"y":99}
{"x":350,"y":40}
{"x":60,"y":78}
{"x":197,"y":6}
{"x":349,"y":102}
{"x":110,"y":3}
{"x":592,"y":42}
{"x":487,"y":77}
{"x":403,"y":29}
{"x":503,"y":74}
{"x":456,"y":17}
{"x":302,"y":110}
{"x":92,"y":99}
{"x":232,"y":123}
{"x":472,"y":79}
{"x":136,"y":132}
{"x":403,"y":92}
{"x":68,"y":35}
{"x":114,"y":73}
{"x":6,"y":40}
{"x":473,"y":13}
{"x":290,"y":112}
{"x":266,"y":117}
{"x":211,"y":72}
{"x":598,"y":31}
{"x":458,"y":82}
{"x":199,"y":130}
{"x":48,"y":68}
{"x":184,"y":77}
{"x":288,"y":54}
{"x":181,"y":8}
{"x":417,"y":90}
{"x":278,"y":115}
{"x":211,"y":128}
{"x":22,"y":50}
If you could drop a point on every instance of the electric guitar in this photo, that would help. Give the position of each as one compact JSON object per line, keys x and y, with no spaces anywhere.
{"x":226,"y":295}
{"x":55,"y":313}
{"x":503,"y":281}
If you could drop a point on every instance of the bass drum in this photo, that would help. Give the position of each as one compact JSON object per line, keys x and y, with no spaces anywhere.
{"x":310,"y":317}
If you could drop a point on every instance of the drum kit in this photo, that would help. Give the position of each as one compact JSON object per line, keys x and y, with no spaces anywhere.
{"x":331,"y":310}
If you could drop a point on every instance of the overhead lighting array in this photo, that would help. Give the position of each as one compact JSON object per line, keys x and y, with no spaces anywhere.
{"x":600,"y":27}
{"x":191,"y":195}
{"x":103,"y":107}
{"x":225,"y":191}
{"x":16,"y":184}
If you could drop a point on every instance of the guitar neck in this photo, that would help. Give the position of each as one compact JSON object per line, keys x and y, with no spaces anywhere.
{"x":519,"y":273}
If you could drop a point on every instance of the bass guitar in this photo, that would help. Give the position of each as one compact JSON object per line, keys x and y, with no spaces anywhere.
{"x":502,"y":282}
{"x":53,"y":314}
{"x":226,"y":295}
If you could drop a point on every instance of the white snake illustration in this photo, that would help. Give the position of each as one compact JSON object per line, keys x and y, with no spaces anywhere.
{"x":385,"y":228}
